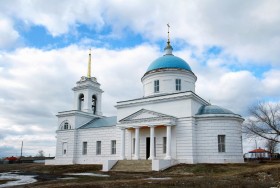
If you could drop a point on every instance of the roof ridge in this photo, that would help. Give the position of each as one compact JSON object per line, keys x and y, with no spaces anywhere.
{"x":100,"y":122}
{"x":94,"y":119}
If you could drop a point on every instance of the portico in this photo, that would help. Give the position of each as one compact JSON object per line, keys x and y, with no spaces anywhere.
{"x":152,"y":127}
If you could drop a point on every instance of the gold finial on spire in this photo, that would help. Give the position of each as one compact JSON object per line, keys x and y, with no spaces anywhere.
{"x":168,"y":40}
{"x":89,"y":64}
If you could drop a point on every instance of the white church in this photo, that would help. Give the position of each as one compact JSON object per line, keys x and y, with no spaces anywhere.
{"x":170,"y":124}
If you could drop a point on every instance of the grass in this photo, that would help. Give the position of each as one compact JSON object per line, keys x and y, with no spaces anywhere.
{"x":50,"y":169}
{"x":182,"y":175}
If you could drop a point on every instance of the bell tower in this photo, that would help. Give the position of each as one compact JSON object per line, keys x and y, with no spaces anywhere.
{"x":87,"y":93}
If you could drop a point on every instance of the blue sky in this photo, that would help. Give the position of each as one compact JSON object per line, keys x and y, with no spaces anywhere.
{"x":44,"y":45}
{"x":39,"y":37}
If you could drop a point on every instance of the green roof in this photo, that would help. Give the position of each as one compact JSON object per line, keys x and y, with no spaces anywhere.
{"x":213,"y":109}
{"x":100,"y":122}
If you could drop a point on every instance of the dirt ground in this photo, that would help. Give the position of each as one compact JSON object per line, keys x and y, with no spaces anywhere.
{"x":182,"y":175}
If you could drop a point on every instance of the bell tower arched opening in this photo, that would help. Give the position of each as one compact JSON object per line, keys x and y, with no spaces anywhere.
{"x":81,"y":101}
{"x":94,"y":102}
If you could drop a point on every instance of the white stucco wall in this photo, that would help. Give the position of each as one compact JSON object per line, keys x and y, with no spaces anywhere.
{"x":177,"y":105}
{"x":207,"y":131}
{"x":185,"y":140}
{"x":75,"y":139}
{"x":64,"y":136}
{"x":91,"y":136}
{"x":75,"y":118}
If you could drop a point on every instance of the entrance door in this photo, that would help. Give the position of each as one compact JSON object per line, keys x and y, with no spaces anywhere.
{"x":147,"y":147}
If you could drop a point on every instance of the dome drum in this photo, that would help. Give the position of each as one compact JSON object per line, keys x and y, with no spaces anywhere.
{"x":167,"y":81}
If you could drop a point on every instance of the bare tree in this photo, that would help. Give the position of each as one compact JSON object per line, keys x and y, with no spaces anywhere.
{"x":271,"y":145}
{"x":40,"y":153}
{"x":264,"y":121}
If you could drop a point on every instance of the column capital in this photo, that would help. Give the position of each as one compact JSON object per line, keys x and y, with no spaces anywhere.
{"x":168,"y":125}
{"x":152,"y":126}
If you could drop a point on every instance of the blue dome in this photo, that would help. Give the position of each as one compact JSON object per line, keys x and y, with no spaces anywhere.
{"x":169,"y":61}
{"x":213,"y":109}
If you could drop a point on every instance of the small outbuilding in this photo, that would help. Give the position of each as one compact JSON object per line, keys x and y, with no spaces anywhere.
{"x":258,"y":153}
{"x":10,"y":160}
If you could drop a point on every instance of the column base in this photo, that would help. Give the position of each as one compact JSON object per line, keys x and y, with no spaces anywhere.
{"x":168,"y":158}
{"x":136,"y":158}
{"x":122,"y":158}
{"x":151,"y":158}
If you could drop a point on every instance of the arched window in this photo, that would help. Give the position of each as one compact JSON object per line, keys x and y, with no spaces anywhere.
{"x":93,"y":106}
{"x":81,"y":102}
{"x":66,"y":125}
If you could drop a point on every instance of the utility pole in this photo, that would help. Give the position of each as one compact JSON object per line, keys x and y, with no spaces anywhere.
{"x":256,"y":144}
{"x":21,"y":149}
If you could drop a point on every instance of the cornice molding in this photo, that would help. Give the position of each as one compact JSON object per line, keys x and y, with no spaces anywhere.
{"x":206,"y":117}
{"x":168,"y":70}
{"x":76,"y":113}
{"x":148,"y":122}
{"x":81,"y":87}
{"x":161,"y":98}
{"x":145,"y":112}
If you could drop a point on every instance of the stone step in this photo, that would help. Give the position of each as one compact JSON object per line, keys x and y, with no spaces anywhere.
{"x":133,"y":166}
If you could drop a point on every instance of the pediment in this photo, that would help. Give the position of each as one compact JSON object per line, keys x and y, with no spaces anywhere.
{"x":145,"y":114}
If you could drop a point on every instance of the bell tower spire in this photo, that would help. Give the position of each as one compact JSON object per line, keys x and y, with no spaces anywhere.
{"x":89,"y":64}
{"x":87,"y":93}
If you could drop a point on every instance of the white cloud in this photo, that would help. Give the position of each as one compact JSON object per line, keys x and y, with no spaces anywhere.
{"x":58,"y":17}
{"x":246,"y":30}
{"x":8,"y":35}
{"x":271,"y":83}
{"x":233,"y":90}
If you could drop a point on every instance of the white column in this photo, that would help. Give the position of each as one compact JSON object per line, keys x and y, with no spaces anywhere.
{"x":137,"y":144}
{"x":168,"y":142}
{"x":152,"y":143}
{"x":122,"y":143}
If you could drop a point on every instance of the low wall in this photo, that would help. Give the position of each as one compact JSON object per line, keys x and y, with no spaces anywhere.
{"x":58,"y":162}
{"x":161,"y":164}
{"x":108,"y":164}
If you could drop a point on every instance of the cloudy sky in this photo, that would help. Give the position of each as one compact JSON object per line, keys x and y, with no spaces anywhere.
{"x":232,"y":47}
